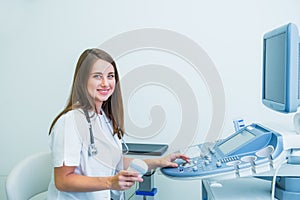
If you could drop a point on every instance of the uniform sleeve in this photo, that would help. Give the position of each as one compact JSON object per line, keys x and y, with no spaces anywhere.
{"x":65,"y":142}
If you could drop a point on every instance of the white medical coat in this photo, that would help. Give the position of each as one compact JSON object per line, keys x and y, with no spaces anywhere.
{"x":69,"y":142}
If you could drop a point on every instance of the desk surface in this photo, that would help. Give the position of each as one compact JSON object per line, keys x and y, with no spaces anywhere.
{"x":238,"y":189}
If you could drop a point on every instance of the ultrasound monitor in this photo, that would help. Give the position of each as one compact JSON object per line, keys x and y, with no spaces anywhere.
{"x":280,"y":88}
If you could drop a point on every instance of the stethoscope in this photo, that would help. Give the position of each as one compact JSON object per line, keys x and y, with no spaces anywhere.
{"x":92,"y":149}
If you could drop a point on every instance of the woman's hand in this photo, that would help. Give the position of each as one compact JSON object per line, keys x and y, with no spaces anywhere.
{"x":167,"y":161}
{"x":124,"y":180}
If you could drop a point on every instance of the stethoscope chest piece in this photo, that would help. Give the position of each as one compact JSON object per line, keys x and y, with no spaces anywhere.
{"x":92,"y":150}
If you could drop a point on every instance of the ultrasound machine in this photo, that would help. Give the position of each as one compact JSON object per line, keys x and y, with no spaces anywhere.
{"x":255,"y":151}
{"x":252,"y":150}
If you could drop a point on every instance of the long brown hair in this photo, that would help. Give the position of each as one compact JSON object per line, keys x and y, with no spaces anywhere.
{"x":80,"y":98}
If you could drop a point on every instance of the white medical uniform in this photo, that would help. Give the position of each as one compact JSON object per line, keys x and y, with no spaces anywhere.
{"x":69,"y":143}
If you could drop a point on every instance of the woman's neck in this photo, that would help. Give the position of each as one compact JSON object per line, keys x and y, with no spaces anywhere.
{"x":98,"y":107}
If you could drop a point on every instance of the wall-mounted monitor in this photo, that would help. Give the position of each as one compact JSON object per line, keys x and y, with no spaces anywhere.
{"x":280,"y":87}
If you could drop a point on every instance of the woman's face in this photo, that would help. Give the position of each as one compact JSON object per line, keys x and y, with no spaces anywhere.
{"x":101,"y":82}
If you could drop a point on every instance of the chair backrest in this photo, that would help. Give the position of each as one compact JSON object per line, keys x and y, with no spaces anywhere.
{"x":29,"y":177}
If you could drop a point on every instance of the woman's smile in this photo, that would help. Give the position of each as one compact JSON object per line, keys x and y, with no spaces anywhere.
{"x":103,"y":91}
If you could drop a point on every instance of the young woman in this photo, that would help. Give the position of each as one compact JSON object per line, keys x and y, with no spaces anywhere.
{"x":85,"y":137}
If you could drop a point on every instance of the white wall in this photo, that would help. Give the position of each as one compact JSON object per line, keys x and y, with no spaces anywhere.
{"x":41,"y":41}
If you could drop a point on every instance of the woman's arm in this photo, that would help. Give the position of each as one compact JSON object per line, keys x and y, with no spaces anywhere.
{"x":66,"y":180}
{"x":166,"y":161}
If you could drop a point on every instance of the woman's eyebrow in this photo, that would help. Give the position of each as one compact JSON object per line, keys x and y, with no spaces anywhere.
{"x":102,"y":72}
{"x":97,"y":73}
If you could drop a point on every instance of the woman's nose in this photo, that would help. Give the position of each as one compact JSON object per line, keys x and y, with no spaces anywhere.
{"x":103,"y":81}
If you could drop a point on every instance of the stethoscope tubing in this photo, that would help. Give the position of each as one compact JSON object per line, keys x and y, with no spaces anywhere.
{"x":92,"y":147}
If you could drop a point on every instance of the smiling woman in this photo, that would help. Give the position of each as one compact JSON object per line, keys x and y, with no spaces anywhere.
{"x":85,"y":138}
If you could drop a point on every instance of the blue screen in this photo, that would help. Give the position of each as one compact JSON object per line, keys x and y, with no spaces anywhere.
{"x":275,"y":68}
{"x":281,"y":68}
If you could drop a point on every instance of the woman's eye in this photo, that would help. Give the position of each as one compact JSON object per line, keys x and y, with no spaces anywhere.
{"x":98,"y":76}
{"x":111,"y":76}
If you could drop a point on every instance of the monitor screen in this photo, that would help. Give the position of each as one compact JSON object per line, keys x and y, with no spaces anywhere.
{"x":275,"y":68}
{"x":235,"y":142}
{"x":280,"y":69}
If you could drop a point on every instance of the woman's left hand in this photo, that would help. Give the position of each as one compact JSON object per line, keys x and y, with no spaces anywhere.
{"x":167,"y":161}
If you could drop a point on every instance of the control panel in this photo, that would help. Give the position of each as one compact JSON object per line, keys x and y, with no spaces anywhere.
{"x":251,"y":150}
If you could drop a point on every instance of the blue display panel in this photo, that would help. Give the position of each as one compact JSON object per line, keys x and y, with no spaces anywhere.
{"x":236,"y":141}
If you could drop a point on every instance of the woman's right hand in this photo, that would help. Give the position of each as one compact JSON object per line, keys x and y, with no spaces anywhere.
{"x":124,"y":180}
